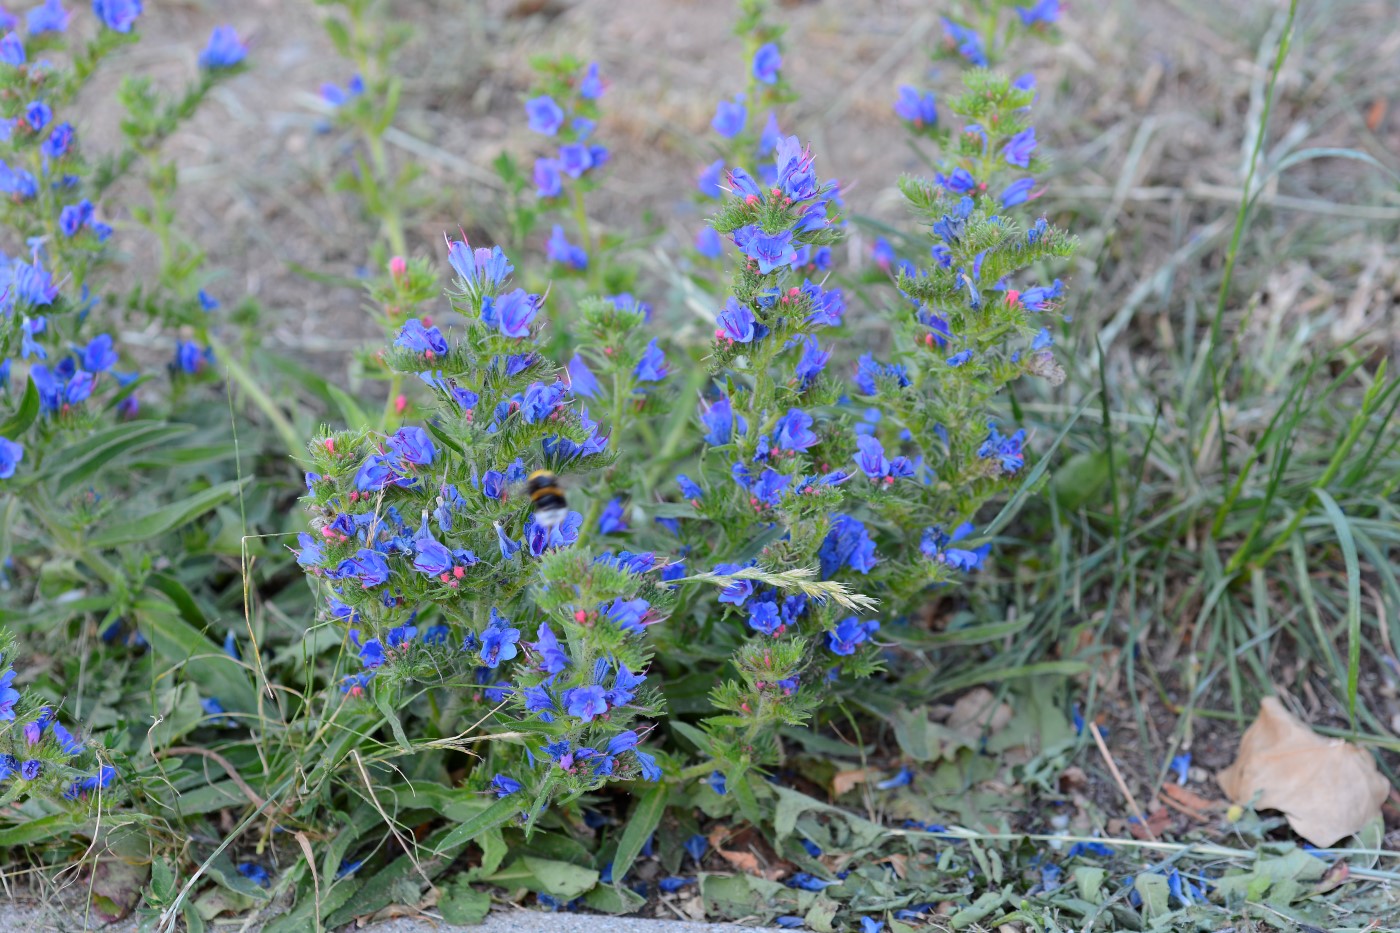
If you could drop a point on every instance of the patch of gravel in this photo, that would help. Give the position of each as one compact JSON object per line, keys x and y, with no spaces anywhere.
{"x":31,"y":919}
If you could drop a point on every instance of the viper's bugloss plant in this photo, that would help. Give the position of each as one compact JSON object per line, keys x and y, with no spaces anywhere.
{"x":76,"y":542}
{"x":822,"y":507}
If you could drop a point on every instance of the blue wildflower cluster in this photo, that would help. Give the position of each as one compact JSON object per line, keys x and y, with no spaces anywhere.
{"x":61,"y":376}
{"x":39,"y":756}
{"x":430,"y":552}
{"x":564,"y":107}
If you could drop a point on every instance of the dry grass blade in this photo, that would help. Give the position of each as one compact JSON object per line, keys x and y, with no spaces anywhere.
{"x":802,"y":579}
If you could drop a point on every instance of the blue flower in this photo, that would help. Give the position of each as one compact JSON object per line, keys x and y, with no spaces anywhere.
{"x":591,"y":87}
{"x":413,"y":445}
{"x":498,"y":641}
{"x":575,"y":159}
{"x":1007,"y":451}
{"x":430,"y":556}
{"x":481,"y":269}
{"x":1181,"y":767}
{"x":375,"y":473}
{"x":1088,"y":848}
{"x":847,"y":544}
{"x":117,"y":15}
{"x":766,"y":62}
{"x":918,"y":109}
{"x":1043,"y":11}
{"x":708,"y":182}
{"x":967,"y":41}
{"x":511,"y":313}
{"x":720,"y":422}
{"x":736,"y":322}
{"x":10,"y":456}
{"x":552,"y":657}
{"x":223,"y":51}
{"x":673,"y":884}
{"x":542,"y":537}
{"x":850,"y":633}
{"x":770,"y":250}
{"x":936,"y":547}
{"x":504,"y":786}
{"x":560,"y":250}
{"x":1019,"y":148}
{"x":738,"y":591}
{"x":624,"y":688}
{"x":717,"y":783}
{"x":415,"y":337}
{"x":586,"y":702}
{"x":436,"y":635}
{"x":255,"y":873}
{"x":959,"y":358}
{"x":338,"y":96}
{"x":1018,"y":192}
{"x":768,"y":488}
{"x":59,"y":142}
{"x":765,"y":618}
{"x":191,"y":359}
{"x":548,"y":178}
{"x":612,"y":520}
{"x":808,"y":882}
{"x":1036,"y":299}
{"x":793,"y":430}
{"x":37,"y":115}
{"x":729,"y":117}
{"x":871,"y":925}
{"x":959,"y":182}
{"x":868,"y":370}
{"x":371,"y":653}
{"x":708,"y":243}
{"x":789,"y":922}
{"x":652,"y":366}
{"x":12,"y":50}
{"x":545,"y":115}
{"x":902,"y":779}
{"x":49,"y":16}
{"x":581,"y":378}
{"x":17,"y":182}
{"x":369,"y":567}
{"x":9,"y":696}
{"x":688,"y":487}
{"x":796,"y":177}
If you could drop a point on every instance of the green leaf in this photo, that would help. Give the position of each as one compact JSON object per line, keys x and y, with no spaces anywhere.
{"x":123,"y":530}
{"x":203,"y":662}
{"x":1090,"y":880}
{"x":45,"y":827}
{"x":646,"y":816}
{"x":1155,"y":894}
{"x":461,"y":903}
{"x":560,"y":879}
{"x":822,"y":916}
{"x":79,"y":461}
{"x":497,"y":814}
{"x":1081,"y":480}
{"x":612,"y":899}
{"x":24,"y":415}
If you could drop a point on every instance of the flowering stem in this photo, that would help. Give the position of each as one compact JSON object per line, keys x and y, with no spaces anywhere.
{"x":391,"y":407}
{"x":585,"y":239}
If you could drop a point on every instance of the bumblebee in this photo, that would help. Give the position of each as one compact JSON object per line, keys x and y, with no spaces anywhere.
{"x":546,"y":498}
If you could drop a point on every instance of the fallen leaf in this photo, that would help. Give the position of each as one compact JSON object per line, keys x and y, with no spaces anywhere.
{"x":1189,"y":798}
{"x":843,"y":781}
{"x":745,"y":860}
{"x":1157,"y":822}
{"x":1375,"y":114}
{"x":1335,"y":876}
{"x":1327,"y":788}
{"x":976,"y":712}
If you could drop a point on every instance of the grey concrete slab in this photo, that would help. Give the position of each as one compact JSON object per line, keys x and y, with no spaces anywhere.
{"x":22,"y":918}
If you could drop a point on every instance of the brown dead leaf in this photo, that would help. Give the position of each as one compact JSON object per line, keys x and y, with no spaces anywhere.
{"x":1327,"y":788}
{"x":1157,"y":822}
{"x":977,"y":711}
{"x":900,"y":864}
{"x":1375,"y":114}
{"x":1191,"y":799}
{"x":742,"y":857}
{"x":842,"y":781}
{"x":1073,"y":779}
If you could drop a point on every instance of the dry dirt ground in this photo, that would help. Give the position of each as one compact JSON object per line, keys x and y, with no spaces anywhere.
{"x":1147,"y":108}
